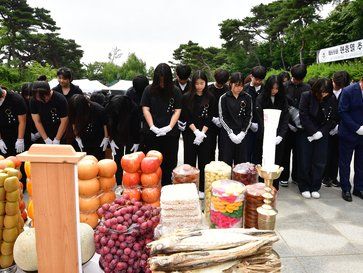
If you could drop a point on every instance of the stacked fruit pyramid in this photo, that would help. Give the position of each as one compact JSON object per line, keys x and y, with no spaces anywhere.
{"x":96,"y":183}
{"x":142,"y":175}
{"x":11,"y":222}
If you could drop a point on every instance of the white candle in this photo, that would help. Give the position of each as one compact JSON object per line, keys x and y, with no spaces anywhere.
{"x":271,"y":122}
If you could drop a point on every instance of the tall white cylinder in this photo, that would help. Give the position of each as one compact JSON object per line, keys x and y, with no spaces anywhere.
{"x":271,"y":122}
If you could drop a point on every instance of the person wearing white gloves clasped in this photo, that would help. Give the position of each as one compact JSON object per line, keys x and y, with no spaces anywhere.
{"x":12,"y":123}
{"x":89,"y":123}
{"x":235,"y":114}
{"x":273,"y":97}
{"x":318,"y":114}
{"x":198,"y":109}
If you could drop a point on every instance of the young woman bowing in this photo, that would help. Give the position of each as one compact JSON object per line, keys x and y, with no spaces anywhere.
{"x":235,"y":114}
{"x":49,"y":111}
{"x":198,"y":108}
{"x":161,"y":106}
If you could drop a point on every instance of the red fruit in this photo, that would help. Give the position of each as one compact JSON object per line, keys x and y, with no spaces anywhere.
{"x":130,"y":180}
{"x":154,"y":153}
{"x":150,"y":195}
{"x":15,"y":160}
{"x":159,"y":172}
{"x":131,"y":163}
{"x":133,"y":194}
{"x":150,"y":164}
{"x":150,"y":180}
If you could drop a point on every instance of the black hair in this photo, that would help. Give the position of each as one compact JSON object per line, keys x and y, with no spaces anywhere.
{"x":119,"y":110}
{"x":79,"y":113}
{"x":221,"y":76}
{"x":139,"y":83}
{"x":42,"y":78}
{"x":341,"y":79}
{"x":183,"y":71}
{"x":236,"y":78}
{"x":26,"y":90}
{"x":320,"y":86}
{"x":248,"y":79}
{"x":40,"y":88}
{"x":98,"y":97}
{"x":65,"y":72}
{"x":298,"y":71}
{"x":270,"y":82}
{"x":163,"y":70}
{"x":259,"y":72}
{"x":198,"y":75}
{"x":284,"y":75}
{"x":312,"y":81}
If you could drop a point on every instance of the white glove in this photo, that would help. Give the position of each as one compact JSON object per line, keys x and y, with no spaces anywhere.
{"x":360,"y":131}
{"x":240,"y":137}
{"x":80,"y":144}
{"x":48,"y":141}
{"x":134,"y":148}
{"x":278,"y":140}
{"x":163,"y":131}
{"x":199,"y":137}
{"x":56,"y":141}
{"x":234,"y":138}
{"x":182,"y":125}
{"x":35,"y":137}
{"x":292,"y":128}
{"x":104,"y":143}
{"x":217,"y":122}
{"x":3,"y":147}
{"x":19,"y":145}
{"x":113,"y":147}
{"x":155,"y":130}
{"x":254,"y":127}
{"x":318,"y":135}
{"x":334,"y":131}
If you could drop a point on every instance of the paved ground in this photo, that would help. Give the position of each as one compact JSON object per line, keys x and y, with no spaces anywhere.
{"x":324,"y":235}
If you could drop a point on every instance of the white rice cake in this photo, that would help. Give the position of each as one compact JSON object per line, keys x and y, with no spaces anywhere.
{"x":179,"y":194}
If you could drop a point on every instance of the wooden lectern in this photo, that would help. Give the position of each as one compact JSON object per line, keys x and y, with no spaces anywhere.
{"x":56,"y":208}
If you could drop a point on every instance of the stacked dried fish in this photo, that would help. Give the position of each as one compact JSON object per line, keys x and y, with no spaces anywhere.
{"x":237,"y":250}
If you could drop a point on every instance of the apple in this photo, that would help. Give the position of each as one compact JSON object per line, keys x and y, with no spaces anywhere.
{"x":150,"y":164}
{"x":131,"y":163}
{"x":154,"y":153}
{"x":6,"y":163}
{"x":159,"y":172}
{"x":130,"y":180}
{"x":150,"y":180}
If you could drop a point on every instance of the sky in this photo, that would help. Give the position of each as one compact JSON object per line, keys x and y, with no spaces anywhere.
{"x":152,"y":29}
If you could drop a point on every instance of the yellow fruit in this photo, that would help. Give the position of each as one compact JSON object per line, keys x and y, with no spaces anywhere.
{"x":3,"y":176}
{"x":7,"y":248}
{"x":6,"y":261}
{"x":12,"y":208}
{"x":12,"y":172}
{"x":10,"y":234}
{"x":11,"y":221}
{"x":2,"y":208}
{"x":12,"y":196}
{"x":11,"y":184}
{"x":2,"y":194}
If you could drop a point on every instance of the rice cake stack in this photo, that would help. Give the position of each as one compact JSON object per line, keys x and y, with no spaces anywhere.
{"x":180,"y":207}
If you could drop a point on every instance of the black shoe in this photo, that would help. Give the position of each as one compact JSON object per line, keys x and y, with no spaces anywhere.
{"x":327,"y":182}
{"x":358,"y":193}
{"x":347,"y":196}
{"x":336,"y":183}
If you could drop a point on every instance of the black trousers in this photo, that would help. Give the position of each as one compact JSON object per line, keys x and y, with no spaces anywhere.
{"x":117,"y":158}
{"x":168,"y":146}
{"x":331,"y":169}
{"x":193,"y":152}
{"x":232,"y":153}
{"x":290,"y":147}
{"x":312,"y":161}
{"x":251,"y":143}
{"x":346,"y":149}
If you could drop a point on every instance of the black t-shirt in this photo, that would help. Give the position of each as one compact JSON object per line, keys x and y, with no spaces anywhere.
{"x":50,"y":113}
{"x":162,"y":108}
{"x":74,"y":89}
{"x":186,"y":88}
{"x":93,"y":134}
{"x":251,"y":90}
{"x":200,"y":112}
{"x":217,"y":92}
{"x":293,"y":92}
{"x":12,"y":107}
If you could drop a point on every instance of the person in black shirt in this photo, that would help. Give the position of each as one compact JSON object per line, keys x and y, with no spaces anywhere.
{"x":293,"y":89}
{"x":161,"y":105}
{"x":88,"y":120}
{"x":217,"y":89}
{"x":49,"y":111}
{"x":254,"y":88}
{"x":139,"y":84}
{"x":235,"y":114}
{"x":182,"y":81}
{"x":123,"y":127}
{"x":318,"y":114}
{"x":198,"y":108}
{"x":273,"y":97}
{"x":65,"y":86}
{"x":12,"y":123}
{"x":284,"y":76}
{"x":98,"y":97}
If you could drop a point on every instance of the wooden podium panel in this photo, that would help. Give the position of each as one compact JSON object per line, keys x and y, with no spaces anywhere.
{"x":56,"y":213}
